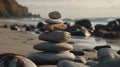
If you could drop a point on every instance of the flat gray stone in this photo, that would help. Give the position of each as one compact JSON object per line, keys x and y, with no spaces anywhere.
{"x":53,"y":47}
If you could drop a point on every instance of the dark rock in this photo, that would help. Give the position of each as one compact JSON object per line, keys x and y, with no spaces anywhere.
{"x":114,"y":25}
{"x":40,"y":25}
{"x":102,"y":27}
{"x":100,"y":30}
{"x":107,"y":55}
{"x":29,"y":28}
{"x":81,"y":31}
{"x":84,"y":22}
{"x":104,"y":46}
{"x":80,"y":53}
{"x":14,"y":27}
{"x":118,"y":52}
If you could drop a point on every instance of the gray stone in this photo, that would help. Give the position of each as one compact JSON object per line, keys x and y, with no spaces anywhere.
{"x":55,"y":36}
{"x":50,"y":58}
{"x":53,"y":47}
{"x":108,"y":58}
{"x":107,"y":54}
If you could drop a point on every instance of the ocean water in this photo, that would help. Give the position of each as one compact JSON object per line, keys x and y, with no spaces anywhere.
{"x":88,"y":42}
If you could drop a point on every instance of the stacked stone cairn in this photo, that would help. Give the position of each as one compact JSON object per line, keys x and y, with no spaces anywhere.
{"x":54,"y":47}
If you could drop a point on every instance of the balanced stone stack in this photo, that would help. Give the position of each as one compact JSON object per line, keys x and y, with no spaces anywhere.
{"x":54,"y":48}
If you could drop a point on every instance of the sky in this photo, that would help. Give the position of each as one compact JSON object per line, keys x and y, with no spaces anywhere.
{"x":74,"y":8}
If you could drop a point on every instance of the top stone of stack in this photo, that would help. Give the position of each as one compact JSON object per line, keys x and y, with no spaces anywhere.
{"x":55,"y":18}
{"x":55,"y":15}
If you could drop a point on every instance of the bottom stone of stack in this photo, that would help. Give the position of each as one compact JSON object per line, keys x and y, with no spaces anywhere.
{"x":50,"y":58}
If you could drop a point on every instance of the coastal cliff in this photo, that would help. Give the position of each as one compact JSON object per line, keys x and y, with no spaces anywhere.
{"x":10,"y":8}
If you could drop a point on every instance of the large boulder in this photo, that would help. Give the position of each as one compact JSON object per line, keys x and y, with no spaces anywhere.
{"x":114,"y":25}
{"x":78,"y":31}
{"x":107,"y":54}
{"x":81,"y":31}
{"x":108,"y":58}
{"x":100,"y":30}
{"x":84,"y":22}
{"x":53,"y":47}
{"x":55,"y":36}
{"x":50,"y":57}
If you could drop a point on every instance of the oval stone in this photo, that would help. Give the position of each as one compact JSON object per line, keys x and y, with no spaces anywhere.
{"x":55,"y":36}
{"x":55,"y":15}
{"x":53,"y":47}
{"x":50,"y":57}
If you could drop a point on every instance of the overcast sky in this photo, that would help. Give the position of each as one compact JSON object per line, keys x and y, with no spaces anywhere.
{"x":74,"y":8}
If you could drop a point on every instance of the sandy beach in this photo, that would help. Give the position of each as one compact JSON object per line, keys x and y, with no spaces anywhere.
{"x":19,"y":42}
